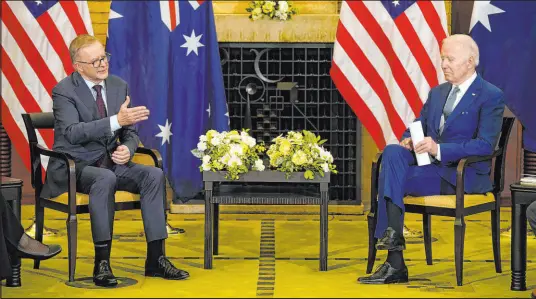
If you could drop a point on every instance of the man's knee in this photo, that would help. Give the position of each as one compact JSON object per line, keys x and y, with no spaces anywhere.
{"x":155,"y":175}
{"x":106,"y":180}
{"x":393,"y":151}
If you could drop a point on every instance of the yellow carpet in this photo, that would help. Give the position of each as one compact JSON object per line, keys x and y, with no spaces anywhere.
{"x":248,"y":266}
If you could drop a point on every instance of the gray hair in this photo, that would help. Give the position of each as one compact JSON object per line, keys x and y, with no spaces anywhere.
{"x":468,"y":42}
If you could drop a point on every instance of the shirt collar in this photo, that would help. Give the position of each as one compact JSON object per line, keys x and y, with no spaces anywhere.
{"x":91,"y":84}
{"x":466,"y":84}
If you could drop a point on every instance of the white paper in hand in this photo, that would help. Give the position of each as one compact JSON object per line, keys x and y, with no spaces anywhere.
{"x":417,"y":135}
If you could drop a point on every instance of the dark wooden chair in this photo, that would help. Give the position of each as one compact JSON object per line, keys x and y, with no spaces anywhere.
{"x":71,"y":202}
{"x":457,"y":206}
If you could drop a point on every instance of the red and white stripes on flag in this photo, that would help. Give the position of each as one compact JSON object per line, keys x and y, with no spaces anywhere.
{"x":170,"y":12}
{"x":384,"y":66}
{"x":35,"y":57}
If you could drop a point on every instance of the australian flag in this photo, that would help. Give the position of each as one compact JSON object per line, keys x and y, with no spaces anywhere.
{"x":505,"y":32}
{"x":167,"y":52}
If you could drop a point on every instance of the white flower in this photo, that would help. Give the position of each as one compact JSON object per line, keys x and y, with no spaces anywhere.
{"x":234,"y":160}
{"x":203,"y":138}
{"x":236,"y":150}
{"x":206,"y":166}
{"x":217,"y":139}
{"x":325,"y":167}
{"x":248,"y":140}
{"x":325,"y":155}
{"x":202,"y":145}
{"x":225,"y":158}
{"x":259,"y":165}
{"x":206,"y":159}
{"x":283,"y":7}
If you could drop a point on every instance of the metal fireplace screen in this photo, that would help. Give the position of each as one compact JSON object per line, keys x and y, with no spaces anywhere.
{"x":274,"y":88}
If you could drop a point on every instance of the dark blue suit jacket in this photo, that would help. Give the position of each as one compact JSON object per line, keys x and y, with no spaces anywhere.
{"x":473,"y":129}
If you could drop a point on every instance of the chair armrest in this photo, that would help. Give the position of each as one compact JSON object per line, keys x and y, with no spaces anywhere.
{"x":157,"y":158}
{"x":460,"y":175}
{"x":71,"y":173}
{"x":375,"y":171}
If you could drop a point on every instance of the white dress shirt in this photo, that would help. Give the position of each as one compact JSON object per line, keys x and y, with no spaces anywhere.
{"x":463,"y":88}
{"x":114,"y":123}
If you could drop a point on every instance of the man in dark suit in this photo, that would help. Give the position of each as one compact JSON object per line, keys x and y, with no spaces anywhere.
{"x":462,"y":117}
{"x":15,"y":243}
{"x":94,"y":125}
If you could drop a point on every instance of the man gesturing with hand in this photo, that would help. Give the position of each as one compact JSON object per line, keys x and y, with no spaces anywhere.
{"x":94,"y":125}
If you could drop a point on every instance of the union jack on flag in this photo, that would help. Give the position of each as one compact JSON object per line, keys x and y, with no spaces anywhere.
{"x":386,"y":59}
{"x":35,"y":56}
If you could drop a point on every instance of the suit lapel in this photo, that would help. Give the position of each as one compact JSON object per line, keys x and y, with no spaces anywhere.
{"x":470,"y":95}
{"x":85,"y":95}
{"x":444,"y":94}
{"x":111,"y":97}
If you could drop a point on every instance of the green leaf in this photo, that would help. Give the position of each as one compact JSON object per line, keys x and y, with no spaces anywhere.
{"x":308,"y":175}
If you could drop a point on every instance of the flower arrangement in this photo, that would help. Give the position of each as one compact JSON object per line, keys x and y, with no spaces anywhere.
{"x":236,"y":152}
{"x":279,"y":10}
{"x":300,"y":151}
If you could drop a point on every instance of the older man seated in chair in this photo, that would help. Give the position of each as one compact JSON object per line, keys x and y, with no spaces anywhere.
{"x":461,"y":118}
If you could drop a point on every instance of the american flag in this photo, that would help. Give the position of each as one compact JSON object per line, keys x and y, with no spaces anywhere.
{"x":386,"y":58}
{"x":35,"y":56}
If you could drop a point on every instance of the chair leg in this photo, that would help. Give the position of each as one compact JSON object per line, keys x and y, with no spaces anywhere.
{"x":496,"y":239}
{"x":72,"y":234}
{"x":427,"y":230}
{"x":372,"y":243}
{"x":216,"y":228}
{"x":459,"y":237}
{"x":39,"y":224}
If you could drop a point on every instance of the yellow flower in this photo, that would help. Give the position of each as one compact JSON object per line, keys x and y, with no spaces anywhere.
{"x":256,"y":13}
{"x":299,"y":158}
{"x":284,"y":147}
{"x":268,"y":6}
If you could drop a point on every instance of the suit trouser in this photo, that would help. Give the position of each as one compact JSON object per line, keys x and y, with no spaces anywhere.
{"x":399,"y":176}
{"x":101,"y":184}
{"x":531,"y":216}
{"x":10,"y":233}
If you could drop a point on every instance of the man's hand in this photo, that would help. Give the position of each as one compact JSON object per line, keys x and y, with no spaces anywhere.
{"x":129,"y":116}
{"x":427,"y":145}
{"x":407,"y":143}
{"x":121,"y":155}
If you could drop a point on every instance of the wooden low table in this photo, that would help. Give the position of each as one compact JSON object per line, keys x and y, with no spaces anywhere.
{"x":522,"y":196}
{"x":11,"y":190}
{"x":227,"y":192}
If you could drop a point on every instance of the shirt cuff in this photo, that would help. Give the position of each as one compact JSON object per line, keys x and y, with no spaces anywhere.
{"x":114,"y":123}
{"x":438,"y":156}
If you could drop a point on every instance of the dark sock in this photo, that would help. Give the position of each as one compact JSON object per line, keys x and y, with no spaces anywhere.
{"x":394,"y":216}
{"x":396,"y":259}
{"x":155,"y":249}
{"x":102,"y":251}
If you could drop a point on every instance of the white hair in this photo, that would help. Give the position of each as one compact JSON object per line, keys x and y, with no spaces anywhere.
{"x":468,"y":42}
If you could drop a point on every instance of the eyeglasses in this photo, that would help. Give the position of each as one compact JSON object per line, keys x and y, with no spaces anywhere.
{"x":97,"y":63}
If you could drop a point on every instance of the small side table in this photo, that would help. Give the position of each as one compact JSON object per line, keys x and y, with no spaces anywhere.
{"x":264,"y":195}
{"x":11,"y":190}
{"x":522,"y":196}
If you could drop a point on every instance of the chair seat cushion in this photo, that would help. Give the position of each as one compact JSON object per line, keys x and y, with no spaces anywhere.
{"x":83,"y":199}
{"x":142,"y":159}
{"x":449,"y":201}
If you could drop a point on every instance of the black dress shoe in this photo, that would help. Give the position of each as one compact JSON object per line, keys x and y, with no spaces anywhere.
{"x":103,"y":276}
{"x":391,"y":240}
{"x":165,"y":269}
{"x":386,"y":274}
